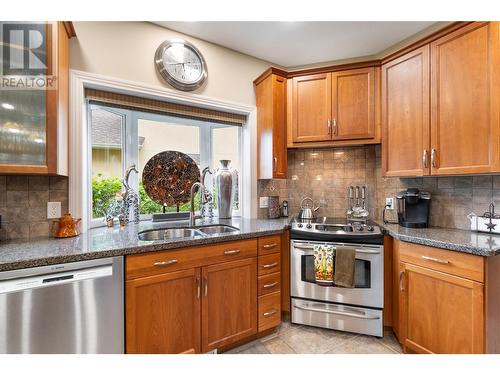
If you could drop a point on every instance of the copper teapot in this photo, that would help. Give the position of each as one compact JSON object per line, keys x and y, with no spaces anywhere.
{"x":66,"y":226}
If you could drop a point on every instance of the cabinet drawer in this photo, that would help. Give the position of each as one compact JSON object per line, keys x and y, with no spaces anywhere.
{"x":269,"y":245}
{"x":448,"y":261}
{"x":269,"y":311}
{"x":158,"y":262}
{"x":269,"y":283}
{"x":269,"y":264}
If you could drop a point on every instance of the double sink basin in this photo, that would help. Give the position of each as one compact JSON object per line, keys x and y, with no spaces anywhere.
{"x":187,"y":232}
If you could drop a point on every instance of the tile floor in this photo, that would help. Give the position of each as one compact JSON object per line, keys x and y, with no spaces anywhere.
{"x":297,"y":339}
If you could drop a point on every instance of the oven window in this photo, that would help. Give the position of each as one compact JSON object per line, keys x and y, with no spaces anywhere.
{"x":362,"y":272}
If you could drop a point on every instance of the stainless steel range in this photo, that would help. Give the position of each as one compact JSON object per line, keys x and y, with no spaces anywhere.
{"x":357,"y":309}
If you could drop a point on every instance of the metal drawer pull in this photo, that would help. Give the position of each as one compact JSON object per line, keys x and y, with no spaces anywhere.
{"x":329,"y":126}
{"x":361,"y":315}
{"x":232,"y":252}
{"x":268,"y":286}
{"x":401,"y":285}
{"x":205,"y":280}
{"x":270,"y":246}
{"x":165,"y":263}
{"x":440,"y":261}
{"x":270,"y":313}
{"x":198,"y":287}
{"x":334,"y":126}
{"x":270,"y":265}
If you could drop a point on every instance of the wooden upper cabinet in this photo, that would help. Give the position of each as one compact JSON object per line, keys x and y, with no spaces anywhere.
{"x":311,"y":108}
{"x":440,"y":313}
{"x":271,"y":127}
{"x":353,"y":104}
{"x":163,"y":314}
{"x":465,"y":106}
{"x":34,"y":139}
{"x":405,"y":115}
{"x":229,"y":302}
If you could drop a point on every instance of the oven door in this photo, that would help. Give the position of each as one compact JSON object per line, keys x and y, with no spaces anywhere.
{"x":369,"y":275}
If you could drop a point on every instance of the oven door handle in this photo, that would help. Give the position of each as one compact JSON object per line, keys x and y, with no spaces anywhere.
{"x":343,"y":313}
{"x":359,"y":251}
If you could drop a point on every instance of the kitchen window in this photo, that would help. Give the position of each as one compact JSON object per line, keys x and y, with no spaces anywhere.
{"x":122,"y":137}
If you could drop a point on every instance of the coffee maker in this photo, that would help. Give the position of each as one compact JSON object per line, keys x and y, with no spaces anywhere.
{"x":413,"y":208}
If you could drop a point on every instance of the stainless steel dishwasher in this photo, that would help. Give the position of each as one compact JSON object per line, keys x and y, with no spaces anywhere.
{"x":65,"y":308}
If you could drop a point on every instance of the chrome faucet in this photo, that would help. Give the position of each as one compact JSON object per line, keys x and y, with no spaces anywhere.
{"x":192,"y":214}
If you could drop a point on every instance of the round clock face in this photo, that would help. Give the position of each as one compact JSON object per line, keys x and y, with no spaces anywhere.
{"x":181,"y":64}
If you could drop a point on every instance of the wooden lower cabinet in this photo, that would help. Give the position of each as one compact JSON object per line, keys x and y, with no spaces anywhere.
{"x":440,"y":300}
{"x":441,"y":313}
{"x":163,"y":313}
{"x":229,"y":303}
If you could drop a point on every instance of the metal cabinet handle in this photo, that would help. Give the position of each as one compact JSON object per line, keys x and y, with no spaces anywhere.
{"x":232,"y":252}
{"x":165,"y":263}
{"x":424,"y":159}
{"x":270,"y":246}
{"x":433,"y":158}
{"x":205,"y":281}
{"x":275,"y":163}
{"x":270,"y":265}
{"x":268,"y":286}
{"x":335,"y":128}
{"x":401,"y":284}
{"x":267,"y":314}
{"x":329,"y":125}
{"x":440,"y":261}
{"x":198,"y":288}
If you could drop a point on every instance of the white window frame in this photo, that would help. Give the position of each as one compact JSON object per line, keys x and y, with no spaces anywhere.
{"x":130,"y":148}
{"x":78,"y":135}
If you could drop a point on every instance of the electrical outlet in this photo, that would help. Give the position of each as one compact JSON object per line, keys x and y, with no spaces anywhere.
{"x":389,"y":203}
{"x":53,"y":210}
{"x":264,"y":202}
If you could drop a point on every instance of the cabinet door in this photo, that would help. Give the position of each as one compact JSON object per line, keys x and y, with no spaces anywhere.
{"x":33,"y":135}
{"x":279,"y":127}
{"x":440,"y":313}
{"x":229,"y":303}
{"x":465,"y":100}
{"x":405,"y":115}
{"x":163,"y":313}
{"x":353,"y":104}
{"x":312,"y":108}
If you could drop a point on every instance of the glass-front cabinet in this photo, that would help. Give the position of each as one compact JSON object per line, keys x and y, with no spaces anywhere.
{"x":34,"y":66}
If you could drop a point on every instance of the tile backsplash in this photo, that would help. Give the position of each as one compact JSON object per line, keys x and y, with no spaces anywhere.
{"x":23,"y":204}
{"x":325,"y":174}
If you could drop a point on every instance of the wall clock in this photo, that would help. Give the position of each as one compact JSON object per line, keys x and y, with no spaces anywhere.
{"x":181,"y":64}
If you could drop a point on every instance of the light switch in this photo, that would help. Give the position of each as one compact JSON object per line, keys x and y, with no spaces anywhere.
{"x":264,"y":202}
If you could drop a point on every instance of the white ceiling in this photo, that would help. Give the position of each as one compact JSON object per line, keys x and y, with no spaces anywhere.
{"x":301,"y":43}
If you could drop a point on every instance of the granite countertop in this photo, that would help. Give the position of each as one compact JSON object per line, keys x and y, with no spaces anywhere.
{"x":108,"y":242}
{"x":464,"y":241}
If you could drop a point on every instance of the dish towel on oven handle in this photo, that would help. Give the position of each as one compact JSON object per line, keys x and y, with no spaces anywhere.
{"x":324,"y":264}
{"x":345,"y":264}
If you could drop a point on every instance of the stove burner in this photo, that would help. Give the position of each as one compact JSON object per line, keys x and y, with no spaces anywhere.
{"x":335,"y":229}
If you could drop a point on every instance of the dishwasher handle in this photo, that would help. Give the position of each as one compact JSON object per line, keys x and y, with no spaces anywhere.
{"x":49,"y":280}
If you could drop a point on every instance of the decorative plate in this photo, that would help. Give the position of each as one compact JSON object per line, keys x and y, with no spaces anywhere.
{"x":168,"y":176}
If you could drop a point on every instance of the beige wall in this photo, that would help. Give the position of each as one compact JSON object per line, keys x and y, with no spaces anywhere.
{"x":126,"y":50}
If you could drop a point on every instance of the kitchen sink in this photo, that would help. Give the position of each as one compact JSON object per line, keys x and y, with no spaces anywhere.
{"x":217,"y":229}
{"x":175,"y":233}
{"x":169,"y":234}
